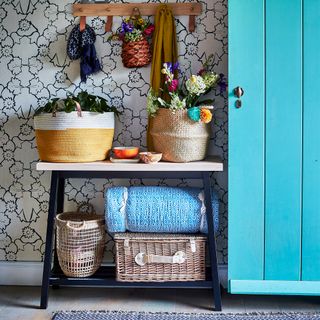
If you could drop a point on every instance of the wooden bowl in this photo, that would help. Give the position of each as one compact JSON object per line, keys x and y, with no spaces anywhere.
{"x":150,"y":157}
{"x":125,"y":152}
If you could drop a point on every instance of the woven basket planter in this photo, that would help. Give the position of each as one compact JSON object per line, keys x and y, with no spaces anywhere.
{"x":68,"y":137}
{"x":136,"y":53}
{"x":179,"y":138}
{"x":80,"y":243}
{"x":159,"y":257}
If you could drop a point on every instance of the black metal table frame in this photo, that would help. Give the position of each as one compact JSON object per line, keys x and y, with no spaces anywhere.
{"x":54,"y":276}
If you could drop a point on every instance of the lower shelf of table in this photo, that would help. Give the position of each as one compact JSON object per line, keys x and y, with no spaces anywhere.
{"x":105,"y":277}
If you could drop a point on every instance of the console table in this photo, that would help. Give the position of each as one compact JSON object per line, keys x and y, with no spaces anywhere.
{"x":105,"y":276}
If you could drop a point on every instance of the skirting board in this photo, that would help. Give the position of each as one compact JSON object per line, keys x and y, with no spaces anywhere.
{"x":275,"y":287}
{"x":30,"y":273}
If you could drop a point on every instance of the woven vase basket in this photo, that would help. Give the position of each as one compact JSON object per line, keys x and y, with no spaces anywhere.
{"x":136,"y":53}
{"x":80,"y":239}
{"x":178,"y":138}
{"x":68,"y":137}
{"x":159,"y":257}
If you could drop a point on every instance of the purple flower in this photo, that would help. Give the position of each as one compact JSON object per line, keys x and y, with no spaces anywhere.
{"x":169,"y":65}
{"x":175,"y":67}
{"x":172,"y":67}
{"x":126,"y":27}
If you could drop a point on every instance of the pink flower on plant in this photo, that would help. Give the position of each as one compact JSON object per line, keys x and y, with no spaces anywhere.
{"x":149,"y":30}
{"x":173,"y":86}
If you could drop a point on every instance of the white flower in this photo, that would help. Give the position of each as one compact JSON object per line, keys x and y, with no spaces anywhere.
{"x":166,"y":71}
{"x":176,"y":103}
{"x":210,"y":79}
{"x":195,"y":85}
{"x":163,"y":103}
{"x":152,"y":103}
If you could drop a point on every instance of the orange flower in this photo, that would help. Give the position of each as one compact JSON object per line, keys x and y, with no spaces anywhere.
{"x":205,"y":115}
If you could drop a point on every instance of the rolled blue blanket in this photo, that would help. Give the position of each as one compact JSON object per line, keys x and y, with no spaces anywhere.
{"x":158,"y":209}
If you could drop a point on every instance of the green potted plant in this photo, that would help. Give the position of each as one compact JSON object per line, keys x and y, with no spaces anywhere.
{"x":179,"y":123}
{"x":78,"y":128}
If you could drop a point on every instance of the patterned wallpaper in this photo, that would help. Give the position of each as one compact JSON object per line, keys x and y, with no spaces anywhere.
{"x":34,"y":67}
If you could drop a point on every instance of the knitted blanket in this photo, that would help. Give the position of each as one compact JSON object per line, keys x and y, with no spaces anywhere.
{"x":158,"y":209}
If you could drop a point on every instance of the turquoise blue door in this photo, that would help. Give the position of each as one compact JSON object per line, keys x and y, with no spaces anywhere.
{"x":274,"y":147}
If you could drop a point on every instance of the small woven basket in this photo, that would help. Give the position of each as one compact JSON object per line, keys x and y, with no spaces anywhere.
{"x":80,"y":242}
{"x":136,"y":53}
{"x":159,"y":257}
{"x":178,"y":138}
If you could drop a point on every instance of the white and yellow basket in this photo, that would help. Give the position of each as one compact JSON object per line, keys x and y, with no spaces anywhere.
{"x":69,"y":137}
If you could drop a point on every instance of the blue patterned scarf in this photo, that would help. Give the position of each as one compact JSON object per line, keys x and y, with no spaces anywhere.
{"x":81,"y":45}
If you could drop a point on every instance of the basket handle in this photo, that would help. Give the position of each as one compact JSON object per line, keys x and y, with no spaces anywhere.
{"x":80,"y":226}
{"x":142,"y":259}
{"x":77,"y":108}
{"x":88,"y":205}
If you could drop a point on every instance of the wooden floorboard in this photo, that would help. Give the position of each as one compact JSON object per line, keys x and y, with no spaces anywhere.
{"x":21,"y":303}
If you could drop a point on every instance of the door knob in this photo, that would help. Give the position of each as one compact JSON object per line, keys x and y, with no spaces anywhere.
{"x":238,"y":92}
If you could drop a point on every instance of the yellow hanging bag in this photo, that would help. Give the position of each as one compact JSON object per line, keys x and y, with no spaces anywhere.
{"x":164,"y":50}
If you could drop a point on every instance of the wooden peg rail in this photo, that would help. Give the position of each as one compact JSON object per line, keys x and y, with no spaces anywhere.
{"x":125,"y":9}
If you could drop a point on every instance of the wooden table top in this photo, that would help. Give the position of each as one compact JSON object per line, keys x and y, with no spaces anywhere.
{"x":209,"y":164}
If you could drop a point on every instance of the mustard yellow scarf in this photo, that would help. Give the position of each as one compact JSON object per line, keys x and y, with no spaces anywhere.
{"x":164,"y":50}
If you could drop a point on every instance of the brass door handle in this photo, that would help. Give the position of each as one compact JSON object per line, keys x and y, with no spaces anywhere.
{"x":238,"y":92}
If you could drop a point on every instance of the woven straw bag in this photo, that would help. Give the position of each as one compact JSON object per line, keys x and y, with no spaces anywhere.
{"x":68,"y":137}
{"x":136,"y":53}
{"x":80,"y":242}
{"x":178,"y":138}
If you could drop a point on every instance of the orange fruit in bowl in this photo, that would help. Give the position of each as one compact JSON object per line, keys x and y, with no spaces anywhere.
{"x":125,"y":152}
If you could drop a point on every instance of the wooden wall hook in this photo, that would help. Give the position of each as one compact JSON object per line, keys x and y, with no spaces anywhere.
{"x":108,"y":25}
{"x":192,"y":23}
{"x":82,"y":23}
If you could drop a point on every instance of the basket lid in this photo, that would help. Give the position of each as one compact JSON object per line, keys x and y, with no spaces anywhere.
{"x":158,"y":236}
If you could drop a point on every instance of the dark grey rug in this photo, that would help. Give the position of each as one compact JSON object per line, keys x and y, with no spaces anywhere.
{"x":122,"y":315}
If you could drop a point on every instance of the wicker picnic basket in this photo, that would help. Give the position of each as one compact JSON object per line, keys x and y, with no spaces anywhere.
{"x":178,"y":138}
{"x":136,"y":53}
{"x":80,"y":242}
{"x":159,"y":257}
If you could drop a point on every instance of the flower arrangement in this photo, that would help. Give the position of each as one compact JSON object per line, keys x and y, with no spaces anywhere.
{"x":132,"y":29}
{"x":187,"y":96}
{"x":134,"y":33}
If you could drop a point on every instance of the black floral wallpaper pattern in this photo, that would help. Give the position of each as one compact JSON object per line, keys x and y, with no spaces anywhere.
{"x":34,"y":67}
